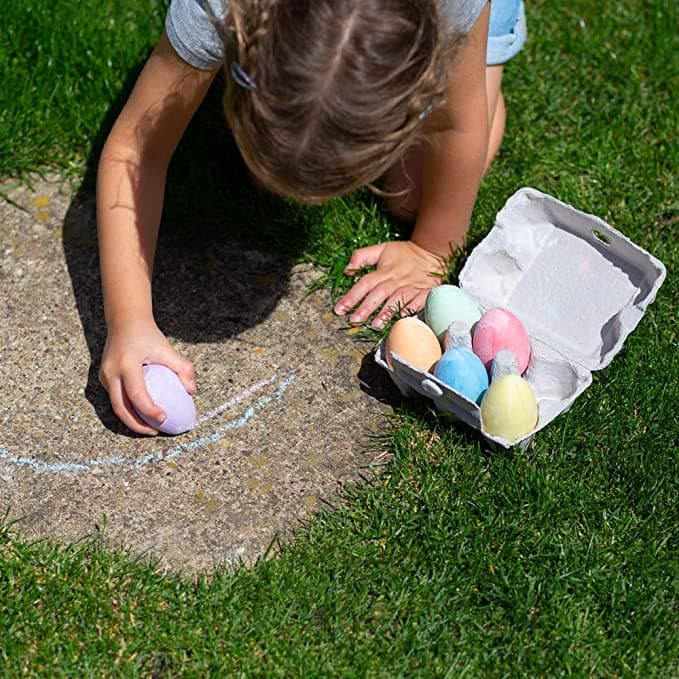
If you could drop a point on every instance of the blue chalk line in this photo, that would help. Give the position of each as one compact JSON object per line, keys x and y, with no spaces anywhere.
{"x":162,"y":456}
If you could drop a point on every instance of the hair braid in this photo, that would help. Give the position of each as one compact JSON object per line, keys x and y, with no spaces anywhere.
{"x":251,"y":20}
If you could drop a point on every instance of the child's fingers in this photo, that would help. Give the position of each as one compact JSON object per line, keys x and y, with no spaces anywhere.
{"x":367,"y":256}
{"x":183,"y":368}
{"x":124,"y":411}
{"x":418,"y":301}
{"x":135,"y":389}
{"x":363,"y":287}
{"x":405,"y":301}
{"x":377,"y":295}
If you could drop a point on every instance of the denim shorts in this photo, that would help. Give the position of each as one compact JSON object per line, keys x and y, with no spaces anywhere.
{"x":507,"y":31}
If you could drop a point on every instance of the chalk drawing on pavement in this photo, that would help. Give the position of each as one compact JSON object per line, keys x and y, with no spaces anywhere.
{"x":167,"y":453}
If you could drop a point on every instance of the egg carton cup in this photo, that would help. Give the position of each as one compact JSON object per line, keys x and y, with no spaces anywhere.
{"x":579,"y":287}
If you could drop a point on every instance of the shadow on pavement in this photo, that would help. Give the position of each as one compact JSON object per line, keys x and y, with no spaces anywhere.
{"x":225,"y":248}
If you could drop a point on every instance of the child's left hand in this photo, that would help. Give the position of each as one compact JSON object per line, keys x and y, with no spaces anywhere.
{"x":404,"y":274}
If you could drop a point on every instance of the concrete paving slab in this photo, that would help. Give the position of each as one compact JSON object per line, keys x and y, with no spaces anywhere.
{"x":288,"y":399}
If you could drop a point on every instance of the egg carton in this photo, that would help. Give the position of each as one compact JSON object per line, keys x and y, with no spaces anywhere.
{"x":579,"y":287}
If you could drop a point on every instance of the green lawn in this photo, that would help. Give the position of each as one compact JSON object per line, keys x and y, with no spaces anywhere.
{"x":455,"y":561}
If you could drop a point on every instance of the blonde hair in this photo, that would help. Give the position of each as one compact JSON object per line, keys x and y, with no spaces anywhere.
{"x":338,"y":89}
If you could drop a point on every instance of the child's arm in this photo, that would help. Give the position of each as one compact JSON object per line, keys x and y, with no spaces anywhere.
{"x":453,"y":165}
{"x":130,"y":188}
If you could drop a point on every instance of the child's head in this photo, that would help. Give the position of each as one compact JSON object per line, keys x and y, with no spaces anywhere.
{"x":339,"y":88}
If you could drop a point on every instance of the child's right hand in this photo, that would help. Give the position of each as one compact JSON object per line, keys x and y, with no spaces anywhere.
{"x":128,"y":347}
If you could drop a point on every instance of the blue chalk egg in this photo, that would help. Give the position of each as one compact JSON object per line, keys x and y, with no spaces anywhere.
{"x":463,"y":371}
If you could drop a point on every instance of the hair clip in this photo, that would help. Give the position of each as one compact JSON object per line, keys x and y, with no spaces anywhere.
{"x":426,"y":112}
{"x":241,"y":77}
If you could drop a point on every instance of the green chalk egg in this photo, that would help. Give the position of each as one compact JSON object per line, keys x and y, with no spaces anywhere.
{"x":448,"y":303}
{"x":509,"y":409}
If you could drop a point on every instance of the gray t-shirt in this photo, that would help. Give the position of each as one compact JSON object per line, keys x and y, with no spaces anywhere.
{"x":191,"y":29}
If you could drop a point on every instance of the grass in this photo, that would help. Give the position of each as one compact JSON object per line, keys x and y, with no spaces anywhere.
{"x":455,"y":561}
{"x":63,"y":65}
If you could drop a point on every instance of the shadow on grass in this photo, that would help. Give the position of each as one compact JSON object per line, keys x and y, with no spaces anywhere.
{"x":225,"y":249}
{"x":376,"y":383}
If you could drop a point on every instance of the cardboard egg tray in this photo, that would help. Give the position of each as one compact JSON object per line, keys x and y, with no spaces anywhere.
{"x":578,"y":285}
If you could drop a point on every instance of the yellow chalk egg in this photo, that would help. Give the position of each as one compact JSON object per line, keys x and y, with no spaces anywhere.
{"x":415,"y":342}
{"x":509,"y":409}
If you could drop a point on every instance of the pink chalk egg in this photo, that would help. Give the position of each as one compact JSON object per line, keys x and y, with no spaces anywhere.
{"x":499,"y":329}
{"x":168,"y":392}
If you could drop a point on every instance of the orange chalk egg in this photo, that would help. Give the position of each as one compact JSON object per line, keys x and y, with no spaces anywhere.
{"x":415,"y":342}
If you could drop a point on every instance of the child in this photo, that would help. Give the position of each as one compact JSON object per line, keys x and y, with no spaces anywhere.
{"x":322,"y":96}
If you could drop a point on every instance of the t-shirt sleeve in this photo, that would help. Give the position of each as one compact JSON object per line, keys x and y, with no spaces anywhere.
{"x":461,"y":15}
{"x":191,"y":27}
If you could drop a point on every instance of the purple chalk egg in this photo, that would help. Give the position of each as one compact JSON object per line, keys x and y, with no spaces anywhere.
{"x":168,"y":392}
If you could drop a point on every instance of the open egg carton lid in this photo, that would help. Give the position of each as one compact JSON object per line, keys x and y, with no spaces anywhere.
{"x":579,"y":287}
{"x":576,"y":283}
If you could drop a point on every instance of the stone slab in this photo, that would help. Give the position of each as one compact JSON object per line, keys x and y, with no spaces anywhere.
{"x":288,"y":398}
